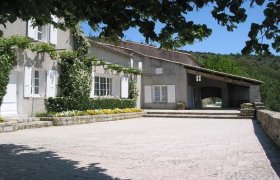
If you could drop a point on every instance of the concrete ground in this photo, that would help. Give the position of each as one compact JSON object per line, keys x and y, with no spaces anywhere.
{"x":142,"y":148}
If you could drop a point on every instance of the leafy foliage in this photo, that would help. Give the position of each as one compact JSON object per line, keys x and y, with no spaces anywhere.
{"x":132,"y":90}
{"x":112,"y":18}
{"x":60,"y":104}
{"x":265,"y":69}
{"x":75,"y":79}
{"x":8,"y":57}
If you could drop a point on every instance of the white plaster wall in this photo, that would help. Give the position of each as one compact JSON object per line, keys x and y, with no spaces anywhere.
{"x":40,"y":61}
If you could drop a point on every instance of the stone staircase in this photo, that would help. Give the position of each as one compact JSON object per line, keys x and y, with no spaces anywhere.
{"x":208,"y":114}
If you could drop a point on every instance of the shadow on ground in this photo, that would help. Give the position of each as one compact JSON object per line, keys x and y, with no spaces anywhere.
{"x":271,"y":149}
{"x":22,"y":162}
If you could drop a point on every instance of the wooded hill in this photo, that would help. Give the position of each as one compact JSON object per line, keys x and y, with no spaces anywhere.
{"x":266,"y":69}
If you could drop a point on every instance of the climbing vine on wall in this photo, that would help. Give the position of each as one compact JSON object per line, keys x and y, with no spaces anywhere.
{"x":75,"y":79}
{"x":75,"y":65}
{"x":8,"y":57}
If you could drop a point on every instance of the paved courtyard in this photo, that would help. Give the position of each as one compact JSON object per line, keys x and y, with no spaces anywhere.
{"x":142,"y":148}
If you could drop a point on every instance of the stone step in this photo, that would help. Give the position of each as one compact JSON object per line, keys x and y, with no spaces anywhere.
{"x":206,"y":116}
{"x":259,"y":107}
{"x":258,"y":103}
{"x":193,"y":113}
{"x":34,"y":124}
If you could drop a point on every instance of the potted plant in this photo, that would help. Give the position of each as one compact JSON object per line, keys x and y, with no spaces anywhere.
{"x":247,"y":109}
{"x":181,"y":106}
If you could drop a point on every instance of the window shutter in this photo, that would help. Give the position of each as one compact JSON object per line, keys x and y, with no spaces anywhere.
{"x":140,"y":66}
{"x":51,"y":83}
{"x":131,"y":63}
{"x":32,"y":31}
{"x":148,"y":94}
{"x":27,"y":81}
{"x":53,"y":32}
{"x":124,"y":87}
{"x":92,"y":85}
{"x":171,"y":93}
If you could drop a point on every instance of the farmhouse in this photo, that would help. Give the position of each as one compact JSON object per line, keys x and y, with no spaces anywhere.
{"x":167,"y":78}
{"x":170,"y":77}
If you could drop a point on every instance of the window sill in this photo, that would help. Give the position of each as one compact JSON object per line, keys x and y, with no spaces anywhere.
{"x":35,"y":96}
{"x":160,"y":102}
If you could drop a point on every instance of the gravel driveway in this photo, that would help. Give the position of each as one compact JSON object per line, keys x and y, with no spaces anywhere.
{"x":141,"y":148}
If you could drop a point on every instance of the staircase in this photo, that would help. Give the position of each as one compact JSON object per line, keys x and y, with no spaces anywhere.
{"x":206,"y":114}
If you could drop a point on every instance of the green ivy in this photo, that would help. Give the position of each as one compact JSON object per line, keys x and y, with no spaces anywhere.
{"x":132,"y":90}
{"x":75,"y":79}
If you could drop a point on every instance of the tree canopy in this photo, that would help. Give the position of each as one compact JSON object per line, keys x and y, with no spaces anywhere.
{"x":113,"y":17}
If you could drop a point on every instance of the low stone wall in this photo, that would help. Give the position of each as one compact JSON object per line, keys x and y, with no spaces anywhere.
{"x":270,"y":122}
{"x":19,"y":124}
{"x":8,"y":126}
{"x":64,"y":121}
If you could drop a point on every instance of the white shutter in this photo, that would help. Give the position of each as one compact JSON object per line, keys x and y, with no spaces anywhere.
{"x":124,"y":87}
{"x":32,"y":31}
{"x":92,"y":86}
{"x":51,"y":83}
{"x":53,"y":32}
{"x":27,"y":81}
{"x":148,"y":94}
{"x":140,"y":65}
{"x":171,"y":94}
{"x":131,"y":63}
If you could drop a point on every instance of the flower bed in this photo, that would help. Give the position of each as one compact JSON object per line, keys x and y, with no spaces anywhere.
{"x":90,"y":116}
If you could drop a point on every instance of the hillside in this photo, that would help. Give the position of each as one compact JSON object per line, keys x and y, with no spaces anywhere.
{"x":266,"y":69}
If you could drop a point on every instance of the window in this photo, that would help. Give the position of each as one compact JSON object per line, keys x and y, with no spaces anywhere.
{"x":46,"y":33}
{"x":42,"y":33}
{"x":198,"y":78}
{"x":35,"y":82}
{"x":102,"y":86}
{"x":160,"y":93}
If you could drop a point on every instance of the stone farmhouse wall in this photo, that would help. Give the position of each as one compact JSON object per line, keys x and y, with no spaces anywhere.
{"x":270,"y":122}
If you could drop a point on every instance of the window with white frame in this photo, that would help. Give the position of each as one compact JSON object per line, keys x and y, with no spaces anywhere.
{"x":160,"y":93}
{"x":46,"y":33}
{"x":102,"y":86}
{"x":35,"y":82}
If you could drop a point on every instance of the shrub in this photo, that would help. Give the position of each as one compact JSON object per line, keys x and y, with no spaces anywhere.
{"x":133,"y":91}
{"x":247,"y":106}
{"x":45,"y":114}
{"x":60,"y":104}
{"x":75,"y":79}
{"x":112,"y":103}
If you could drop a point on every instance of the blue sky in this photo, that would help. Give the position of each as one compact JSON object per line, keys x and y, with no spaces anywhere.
{"x":221,"y":41}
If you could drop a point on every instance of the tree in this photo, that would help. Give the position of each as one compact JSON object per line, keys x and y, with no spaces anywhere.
{"x":113,"y":17}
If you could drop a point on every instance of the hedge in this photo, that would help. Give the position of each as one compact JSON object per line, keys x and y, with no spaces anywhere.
{"x":60,"y":104}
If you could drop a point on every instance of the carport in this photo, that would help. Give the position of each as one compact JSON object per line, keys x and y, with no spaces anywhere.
{"x":212,"y":89}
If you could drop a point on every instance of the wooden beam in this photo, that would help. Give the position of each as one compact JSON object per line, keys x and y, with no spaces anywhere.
{"x":219,"y":78}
